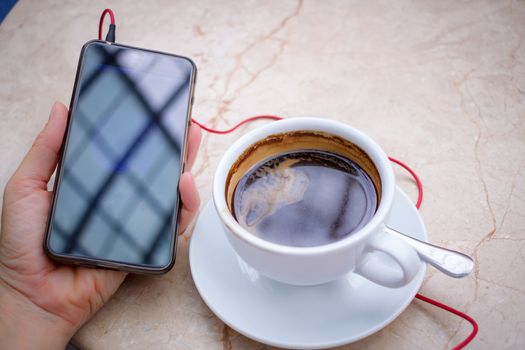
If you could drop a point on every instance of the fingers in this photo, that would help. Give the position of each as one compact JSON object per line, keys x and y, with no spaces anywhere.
{"x":194,"y":141}
{"x":190,"y":200}
{"x":188,"y":191}
{"x":41,"y":160}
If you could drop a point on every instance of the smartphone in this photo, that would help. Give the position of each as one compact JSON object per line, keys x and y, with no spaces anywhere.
{"x":116,"y":198}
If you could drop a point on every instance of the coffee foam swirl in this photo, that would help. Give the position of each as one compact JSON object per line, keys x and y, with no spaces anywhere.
{"x":272,"y":186}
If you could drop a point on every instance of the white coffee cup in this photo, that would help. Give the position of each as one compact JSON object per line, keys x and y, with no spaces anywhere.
{"x":323,"y":263}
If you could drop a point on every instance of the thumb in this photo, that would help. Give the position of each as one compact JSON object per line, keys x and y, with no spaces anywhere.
{"x":41,"y":160}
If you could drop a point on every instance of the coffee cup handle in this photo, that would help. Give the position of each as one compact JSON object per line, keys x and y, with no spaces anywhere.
{"x":372,"y":268}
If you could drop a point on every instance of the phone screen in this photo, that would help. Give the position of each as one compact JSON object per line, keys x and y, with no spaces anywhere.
{"x":117,"y":187}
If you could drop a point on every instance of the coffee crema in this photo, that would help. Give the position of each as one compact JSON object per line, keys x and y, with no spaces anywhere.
{"x":303,"y":193}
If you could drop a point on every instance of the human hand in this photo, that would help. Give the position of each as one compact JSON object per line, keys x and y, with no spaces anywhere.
{"x":43,"y":303}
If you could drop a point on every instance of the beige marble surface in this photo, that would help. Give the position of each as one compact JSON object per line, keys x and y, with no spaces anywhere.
{"x":439,"y":84}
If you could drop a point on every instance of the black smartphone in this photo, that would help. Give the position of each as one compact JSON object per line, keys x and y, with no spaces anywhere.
{"x":116,"y":198}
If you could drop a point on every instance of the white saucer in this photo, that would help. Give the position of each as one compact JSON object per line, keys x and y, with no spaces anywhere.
{"x":286,"y":316}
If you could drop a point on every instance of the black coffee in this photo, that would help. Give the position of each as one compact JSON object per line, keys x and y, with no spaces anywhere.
{"x":304,"y":198}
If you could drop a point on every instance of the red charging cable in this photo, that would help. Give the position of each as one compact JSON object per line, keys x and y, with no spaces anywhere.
{"x":427,"y":299}
{"x":247,"y":120}
{"x":101,"y":21}
{"x":406,"y":167}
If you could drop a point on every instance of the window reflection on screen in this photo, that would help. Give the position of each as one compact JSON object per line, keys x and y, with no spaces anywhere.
{"x":120,"y":172}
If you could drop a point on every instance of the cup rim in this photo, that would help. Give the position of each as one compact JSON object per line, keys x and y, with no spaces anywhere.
{"x":371,"y":148}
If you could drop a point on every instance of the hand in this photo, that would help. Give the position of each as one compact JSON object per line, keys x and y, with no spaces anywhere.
{"x":43,"y":303}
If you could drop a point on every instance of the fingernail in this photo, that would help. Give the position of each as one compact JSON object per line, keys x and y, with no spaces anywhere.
{"x":53,"y":109}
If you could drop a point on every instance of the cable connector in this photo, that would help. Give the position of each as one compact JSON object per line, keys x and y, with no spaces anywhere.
{"x":110,"y":36}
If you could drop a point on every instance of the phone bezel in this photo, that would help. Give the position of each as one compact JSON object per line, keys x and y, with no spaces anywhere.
{"x":105,"y":263}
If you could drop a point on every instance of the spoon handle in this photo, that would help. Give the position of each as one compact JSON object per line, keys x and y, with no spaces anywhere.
{"x":450,"y":262}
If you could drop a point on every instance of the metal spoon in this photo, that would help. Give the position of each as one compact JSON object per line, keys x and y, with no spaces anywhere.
{"x":450,"y":262}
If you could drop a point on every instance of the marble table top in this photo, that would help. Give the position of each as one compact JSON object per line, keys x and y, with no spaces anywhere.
{"x":439,"y":84}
